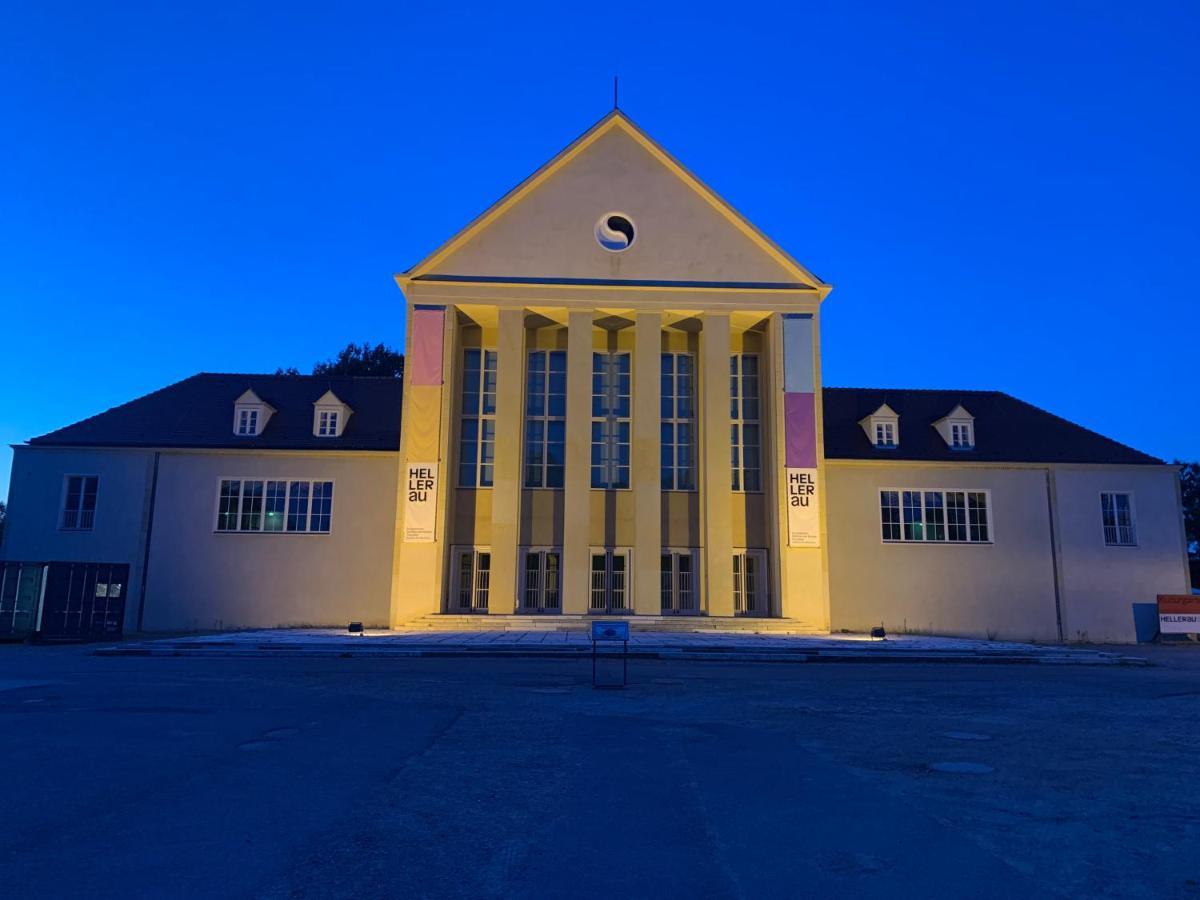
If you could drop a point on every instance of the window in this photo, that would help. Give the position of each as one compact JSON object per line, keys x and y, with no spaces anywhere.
{"x":79,"y":502}
{"x":678,"y":581}
{"x":749,"y":585}
{"x":885,"y":435}
{"x":610,"y":420}
{"x":541,"y":581}
{"x":1116,"y":511}
{"x":677,"y":414}
{"x":919,"y":516}
{"x":263,"y":505}
{"x":609,"y":581}
{"x":472,"y":578}
{"x":477,"y":426}
{"x":545,"y":418}
{"x":744,"y":427}
{"x":961,"y":437}
{"x":247,"y":422}
{"x":327,"y":423}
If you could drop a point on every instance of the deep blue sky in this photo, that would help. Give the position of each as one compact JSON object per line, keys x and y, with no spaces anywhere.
{"x":1004,"y":195}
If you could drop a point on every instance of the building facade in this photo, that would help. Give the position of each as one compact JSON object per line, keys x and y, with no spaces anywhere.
{"x":612,"y":405}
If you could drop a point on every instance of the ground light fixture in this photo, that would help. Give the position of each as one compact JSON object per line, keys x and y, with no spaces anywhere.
{"x":355,"y":628}
{"x":878,"y":632}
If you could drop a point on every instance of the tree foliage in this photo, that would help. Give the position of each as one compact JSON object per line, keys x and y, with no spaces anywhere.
{"x":3,"y":516}
{"x":359,"y":359}
{"x":1189,"y":477}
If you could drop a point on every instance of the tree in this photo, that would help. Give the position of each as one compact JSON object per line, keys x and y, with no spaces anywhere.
{"x":1189,"y":477}
{"x":3,"y":516}
{"x":358,"y":359}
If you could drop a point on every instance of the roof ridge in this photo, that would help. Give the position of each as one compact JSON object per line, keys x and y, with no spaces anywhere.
{"x":290,"y":375}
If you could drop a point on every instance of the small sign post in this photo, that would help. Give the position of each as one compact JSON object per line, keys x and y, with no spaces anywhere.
{"x":1179,"y":613}
{"x":611,"y":631}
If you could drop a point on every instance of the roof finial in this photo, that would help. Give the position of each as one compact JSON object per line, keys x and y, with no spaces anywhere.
{"x":615,"y":106}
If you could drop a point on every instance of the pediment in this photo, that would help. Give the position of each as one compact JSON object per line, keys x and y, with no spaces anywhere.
{"x":555,"y":226}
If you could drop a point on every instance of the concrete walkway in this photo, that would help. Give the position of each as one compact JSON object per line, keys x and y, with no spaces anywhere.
{"x":644,"y":645}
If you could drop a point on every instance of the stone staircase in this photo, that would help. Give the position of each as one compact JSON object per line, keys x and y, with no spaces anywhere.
{"x":660,"y":624}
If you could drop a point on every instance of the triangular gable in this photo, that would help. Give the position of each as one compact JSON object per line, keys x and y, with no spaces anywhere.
{"x":543,"y":228}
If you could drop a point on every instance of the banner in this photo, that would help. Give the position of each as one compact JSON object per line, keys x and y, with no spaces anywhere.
{"x":803,"y":508}
{"x":800,"y":431}
{"x":420,"y":504}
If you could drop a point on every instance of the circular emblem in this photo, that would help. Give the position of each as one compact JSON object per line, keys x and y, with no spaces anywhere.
{"x":614,"y":232}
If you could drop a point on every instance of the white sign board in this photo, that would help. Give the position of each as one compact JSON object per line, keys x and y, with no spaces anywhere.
{"x":420,"y":503}
{"x":803,"y":507}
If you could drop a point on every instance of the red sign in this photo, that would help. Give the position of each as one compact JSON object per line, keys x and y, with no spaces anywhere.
{"x":1179,"y":613}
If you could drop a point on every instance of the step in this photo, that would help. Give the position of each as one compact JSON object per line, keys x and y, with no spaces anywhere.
{"x":558,"y":623}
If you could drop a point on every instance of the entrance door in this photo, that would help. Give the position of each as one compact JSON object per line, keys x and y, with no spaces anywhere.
{"x":750,"y":583}
{"x":20,"y":594}
{"x":610,"y":582}
{"x":541,"y":582}
{"x":472,"y":578}
{"x":677,"y":577}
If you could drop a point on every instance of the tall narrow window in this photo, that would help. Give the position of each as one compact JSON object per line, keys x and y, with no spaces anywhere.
{"x":744,"y":427}
{"x":276,"y":506}
{"x":678,"y":422}
{"x":327,"y":423}
{"x":545,"y":418}
{"x":322,"y":506}
{"x":79,"y":502}
{"x":477,"y":427}
{"x":1116,"y":510}
{"x":297,"y":519}
{"x":252,"y":503}
{"x":610,"y":420}
{"x":472,"y":580}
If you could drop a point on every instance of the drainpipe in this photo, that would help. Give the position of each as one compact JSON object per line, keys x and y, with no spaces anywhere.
{"x":1053,"y":516}
{"x":146,"y":549}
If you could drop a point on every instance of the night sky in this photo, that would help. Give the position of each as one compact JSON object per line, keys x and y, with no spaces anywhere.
{"x":1003,"y":196}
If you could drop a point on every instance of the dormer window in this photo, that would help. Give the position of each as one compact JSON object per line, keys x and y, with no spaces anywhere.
{"x":957,"y":429}
{"x":247,"y":422}
{"x":882,"y":428}
{"x":330,"y":415}
{"x":250,"y":415}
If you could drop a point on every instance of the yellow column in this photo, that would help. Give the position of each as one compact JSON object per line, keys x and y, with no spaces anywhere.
{"x":645,"y":475}
{"x":577,"y":481}
{"x":506,"y":480}
{"x":716,"y":499}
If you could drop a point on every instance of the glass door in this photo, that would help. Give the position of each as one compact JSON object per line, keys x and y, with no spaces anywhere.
{"x":609,"y":582}
{"x":749,"y":583}
{"x":472,"y":578}
{"x":677,"y":575}
{"x":541,"y":586}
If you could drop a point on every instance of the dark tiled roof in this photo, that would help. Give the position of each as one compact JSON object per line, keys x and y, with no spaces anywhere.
{"x":1006,"y":429}
{"x":198,"y":412}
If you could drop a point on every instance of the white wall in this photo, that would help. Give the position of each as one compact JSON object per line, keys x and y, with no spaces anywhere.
{"x":1004,"y":589}
{"x":122,"y":496}
{"x":201,"y":579}
{"x":1101,"y":583}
